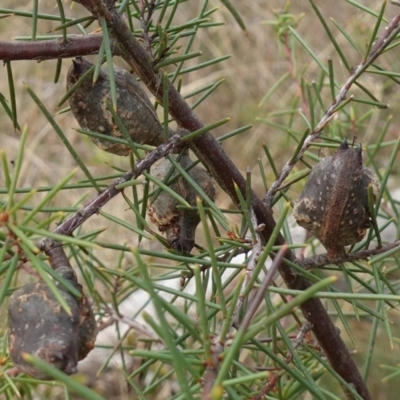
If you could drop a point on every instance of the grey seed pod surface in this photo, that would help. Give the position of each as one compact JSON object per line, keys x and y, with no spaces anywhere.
{"x":38,"y":325}
{"x":88,"y":105}
{"x":333,"y":204}
{"x":179,"y":224}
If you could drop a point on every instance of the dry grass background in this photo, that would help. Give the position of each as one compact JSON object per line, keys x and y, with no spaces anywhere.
{"x":256,"y":64}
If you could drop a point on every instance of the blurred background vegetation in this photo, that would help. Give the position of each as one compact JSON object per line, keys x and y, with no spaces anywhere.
{"x":258,"y":59}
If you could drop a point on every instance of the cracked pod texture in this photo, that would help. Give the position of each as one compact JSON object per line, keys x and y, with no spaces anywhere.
{"x":333,"y":205}
{"x":38,"y":325}
{"x":179,"y":224}
{"x":88,"y":104}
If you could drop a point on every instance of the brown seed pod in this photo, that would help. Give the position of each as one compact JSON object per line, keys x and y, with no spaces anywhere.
{"x":88,"y":104}
{"x":179,"y":224}
{"x":38,"y":324}
{"x":333,"y":205}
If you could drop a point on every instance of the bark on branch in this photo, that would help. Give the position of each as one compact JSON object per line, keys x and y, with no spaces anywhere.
{"x":51,"y":49}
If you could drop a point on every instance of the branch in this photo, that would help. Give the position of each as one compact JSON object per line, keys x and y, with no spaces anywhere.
{"x":93,"y":207}
{"x":211,"y":154}
{"x":390,"y":33}
{"x":212,"y":370}
{"x":116,"y":316}
{"x":52,"y":49}
{"x":258,"y":298}
{"x":322,"y":259}
{"x":251,"y":265}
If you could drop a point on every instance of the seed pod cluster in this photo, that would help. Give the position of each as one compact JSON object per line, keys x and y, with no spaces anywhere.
{"x":38,"y":324}
{"x":333,"y":205}
{"x":89,"y":107}
{"x":179,"y":224}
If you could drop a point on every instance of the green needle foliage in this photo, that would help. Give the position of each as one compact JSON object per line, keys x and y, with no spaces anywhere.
{"x":220,"y":322}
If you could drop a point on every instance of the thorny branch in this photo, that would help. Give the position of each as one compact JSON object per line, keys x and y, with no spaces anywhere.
{"x":377,"y":49}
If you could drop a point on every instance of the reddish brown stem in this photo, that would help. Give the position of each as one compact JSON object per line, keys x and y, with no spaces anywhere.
{"x":51,"y":49}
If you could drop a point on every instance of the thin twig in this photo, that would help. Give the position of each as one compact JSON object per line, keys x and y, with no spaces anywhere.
{"x":256,"y":251}
{"x":114,"y":317}
{"x":144,"y":23}
{"x":93,"y":207}
{"x":212,"y":369}
{"x":321,"y":260}
{"x":306,"y":327}
{"x":258,"y":298}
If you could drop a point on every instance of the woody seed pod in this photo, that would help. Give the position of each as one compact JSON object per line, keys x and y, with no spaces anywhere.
{"x":38,"y":324}
{"x":179,"y":224}
{"x":333,"y":205}
{"x":88,"y":104}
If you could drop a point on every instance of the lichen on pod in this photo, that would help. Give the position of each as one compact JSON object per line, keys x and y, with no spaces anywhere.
{"x":179,"y":224}
{"x":89,"y":107}
{"x":333,"y":205}
{"x":40,"y":326}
